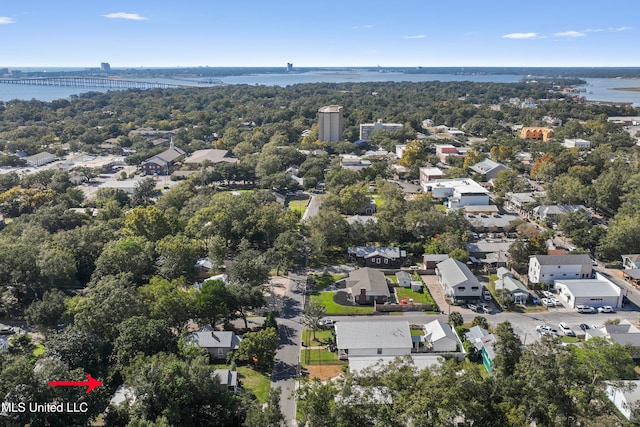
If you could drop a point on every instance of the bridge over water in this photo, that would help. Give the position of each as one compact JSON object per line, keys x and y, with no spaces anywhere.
{"x":95,"y":82}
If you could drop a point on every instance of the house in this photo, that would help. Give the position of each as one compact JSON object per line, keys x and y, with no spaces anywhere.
{"x":377,"y":256}
{"x":524,"y":202}
{"x":518,"y":292}
{"x":623,"y":333}
{"x":540,"y":133}
{"x":404,"y":279}
{"x":632,"y":275}
{"x":457,"y":193}
{"x":217,"y":343}
{"x":549,"y":268}
{"x":421,"y":361}
{"x":353,"y":162}
{"x":228,"y":380}
{"x":488,"y":169}
{"x":367,"y":286}
{"x":631,"y":261}
{"x":430,"y":174}
{"x":445,"y":150}
{"x":458,"y":281}
{"x":355,"y":339}
{"x":438,"y":338}
{"x":483,"y":342}
{"x":593,"y":292}
{"x":40,"y":159}
{"x":582,"y":144}
{"x":430,"y":261}
{"x":625,"y":395}
{"x":162,"y":163}
{"x":211,"y":156}
{"x":551,"y":212}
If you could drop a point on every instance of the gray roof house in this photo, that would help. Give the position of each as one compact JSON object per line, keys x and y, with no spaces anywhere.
{"x":551,"y":212}
{"x":506,"y":283}
{"x":228,"y":380}
{"x":439,"y":337}
{"x":217,"y":343}
{"x":366,"y":285}
{"x":354,"y":339}
{"x":458,"y":281}
{"x":40,"y":159}
{"x":488,"y":168}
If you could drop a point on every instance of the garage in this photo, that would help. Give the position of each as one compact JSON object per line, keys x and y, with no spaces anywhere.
{"x":593,"y":292}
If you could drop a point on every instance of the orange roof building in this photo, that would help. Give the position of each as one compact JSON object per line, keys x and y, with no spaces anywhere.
{"x":536,"y":133}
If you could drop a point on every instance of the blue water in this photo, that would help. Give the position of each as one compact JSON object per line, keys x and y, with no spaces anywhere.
{"x":596,"y":89}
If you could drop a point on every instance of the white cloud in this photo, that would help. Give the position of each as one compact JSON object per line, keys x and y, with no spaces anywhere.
{"x":123,"y":15}
{"x":363,"y":27}
{"x":570,"y":33}
{"x":417,"y":36}
{"x":620,"y":29}
{"x":6,"y":20}
{"x":520,"y":36}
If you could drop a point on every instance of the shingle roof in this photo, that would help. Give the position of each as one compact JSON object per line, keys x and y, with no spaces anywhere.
{"x":214,"y":339}
{"x":368,"y":278}
{"x":563,"y":259}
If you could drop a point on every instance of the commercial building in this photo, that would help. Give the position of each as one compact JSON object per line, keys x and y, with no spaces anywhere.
{"x":330,"y":123}
{"x":592,"y":292}
{"x":540,"y":133}
{"x":367,"y":128}
{"x":488,"y":169}
{"x":40,"y":159}
{"x":582,"y":144}
{"x":458,"y":192}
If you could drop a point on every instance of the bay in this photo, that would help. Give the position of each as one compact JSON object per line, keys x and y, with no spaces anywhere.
{"x":596,"y":89}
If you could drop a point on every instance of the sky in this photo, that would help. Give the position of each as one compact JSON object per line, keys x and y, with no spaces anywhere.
{"x":327,"y":33}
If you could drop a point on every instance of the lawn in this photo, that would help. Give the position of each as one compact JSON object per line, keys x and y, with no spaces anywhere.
{"x":379,"y":200}
{"x":326,"y":298}
{"x":298,"y":205}
{"x":319,"y":357}
{"x":39,"y":350}
{"x":323,"y":336}
{"x":325,"y":280}
{"x":258,"y":383}
{"x":418,"y":297}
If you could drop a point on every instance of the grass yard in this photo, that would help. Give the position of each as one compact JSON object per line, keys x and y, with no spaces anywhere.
{"x":258,"y":383}
{"x":418,"y":297}
{"x":326,"y":298}
{"x":319,"y":357}
{"x":39,"y":350}
{"x":323,"y":336}
{"x":392,"y":278}
{"x":298,"y":205}
{"x":379,"y":200}
{"x":325,"y":280}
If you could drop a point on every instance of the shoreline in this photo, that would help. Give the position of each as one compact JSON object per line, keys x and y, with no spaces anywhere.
{"x":626,"y":89}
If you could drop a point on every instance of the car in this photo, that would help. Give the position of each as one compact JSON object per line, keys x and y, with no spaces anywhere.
{"x":566,"y":330}
{"x":6,"y":330}
{"x":547,"y":294}
{"x":546,"y":330}
{"x":584,"y":326}
{"x":473,"y":307}
{"x":605,"y":309}
{"x":547,"y":302}
{"x":487,"y":295}
{"x":555,"y":301}
{"x":414,"y":267}
{"x":327,"y":322}
{"x":585,"y":309}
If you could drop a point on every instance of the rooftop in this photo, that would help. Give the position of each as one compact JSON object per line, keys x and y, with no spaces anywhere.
{"x":361,"y":335}
{"x":563,"y":259}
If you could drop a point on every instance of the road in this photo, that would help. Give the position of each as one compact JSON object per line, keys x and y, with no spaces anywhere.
{"x":313,"y":207}
{"x":285,"y":370}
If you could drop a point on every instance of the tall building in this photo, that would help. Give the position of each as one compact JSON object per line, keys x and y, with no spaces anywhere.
{"x":104,"y":66}
{"x":289,"y":66}
{"x":367,"y":128}
{"x":330,"y":123}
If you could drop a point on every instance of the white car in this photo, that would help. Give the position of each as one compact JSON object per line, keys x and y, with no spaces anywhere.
{"x":546,"y":330}
{"x":585,"y":309}
{"x":547,"y":302}
{"x":487,"y":295}
{"x":566,"y":330}
{"x":327,"y":322}
{"x":605,"y":309}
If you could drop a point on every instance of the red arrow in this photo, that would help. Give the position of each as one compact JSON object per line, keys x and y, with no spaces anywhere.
{"x":91,"y":383}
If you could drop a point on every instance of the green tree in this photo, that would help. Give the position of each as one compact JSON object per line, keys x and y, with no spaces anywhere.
{"x":315,"y":403}
{"x":249,"y":268}
{"x":144,"y":193}
{"x":507,"y":350}
{"x":213,"y":302}
{"x":258,"y":348}
{"x":313,"y":313}
{"x":47,"y":313}
{"x":139,"y":334}
{"x":455,"y":319}
{"x":177,"y":257}
{"x":148,"y":222}
{"x":480,"y":321}
{"x":268,"y":416}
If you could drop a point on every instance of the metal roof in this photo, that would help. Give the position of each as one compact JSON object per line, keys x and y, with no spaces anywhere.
{"x":367,"y":335}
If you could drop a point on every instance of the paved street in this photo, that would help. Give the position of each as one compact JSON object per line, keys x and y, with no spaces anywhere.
{"x":313,"y":207}
{"x":287,"y":358}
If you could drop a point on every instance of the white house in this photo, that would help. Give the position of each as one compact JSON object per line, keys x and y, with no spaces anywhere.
{"x":458,"y":192}
{"x":582,"y":144}
{"x":518,"y":292}
{"x":549,"y":268}
{"x":404,"y":279}
{"x":430,"y":174}
{"x":626,"y":396}
{"x":40,"y":159}
{"x":593,"y":292}
{"x":458,"y":281}
{"x":355,"y":339}
{"x":439,"y":338}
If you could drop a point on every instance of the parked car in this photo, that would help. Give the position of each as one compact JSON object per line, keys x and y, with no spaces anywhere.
{"x":473,"y":307}
{"x":566,"y":330}
{"x":484,"y":308}
{"x":6,"y":330}
{"x":605,"y":309}
{"x":546,"y":330}
{"x":547,"y":302}
{"x":487,"y":295}
{"x":327,"y":322}
{"x":585,"y":309}
{"x":584,"y":326}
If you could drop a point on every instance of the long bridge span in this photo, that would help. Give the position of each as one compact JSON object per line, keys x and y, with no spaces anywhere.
{"x":94,"y":82}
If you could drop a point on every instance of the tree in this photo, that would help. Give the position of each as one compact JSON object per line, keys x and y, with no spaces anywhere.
{"x":245,"y":298}
{"x":507,"y":350}
{"x":140,"y":334}
{"x":58,"y":265}
{"x":133,"y":255}
{"x":213,"y":302}
{"x":177,"y":257}
{"x":509,"y":181}
{"x":313,"y":313}
{"x":315,"y":403}
{"x":480,"y":321}
{"x":46,"y":313}
{"x":144,"y":193}
{"x":170,"y":301}
{"x":455,"y":318}
{"x":268,"y":416}
{"x":148,"y":222}
{"x":258,"y":348}
{"x":249,"y":268}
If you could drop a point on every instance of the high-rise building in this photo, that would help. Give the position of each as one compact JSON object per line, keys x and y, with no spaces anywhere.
{"x":104,"y":66}
{"x":367,"y":128}
{"x":330,"y":123}
{"x":289,"y":66}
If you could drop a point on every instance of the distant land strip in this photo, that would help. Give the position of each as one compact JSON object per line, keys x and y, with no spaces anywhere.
{"x":628,"y":89}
